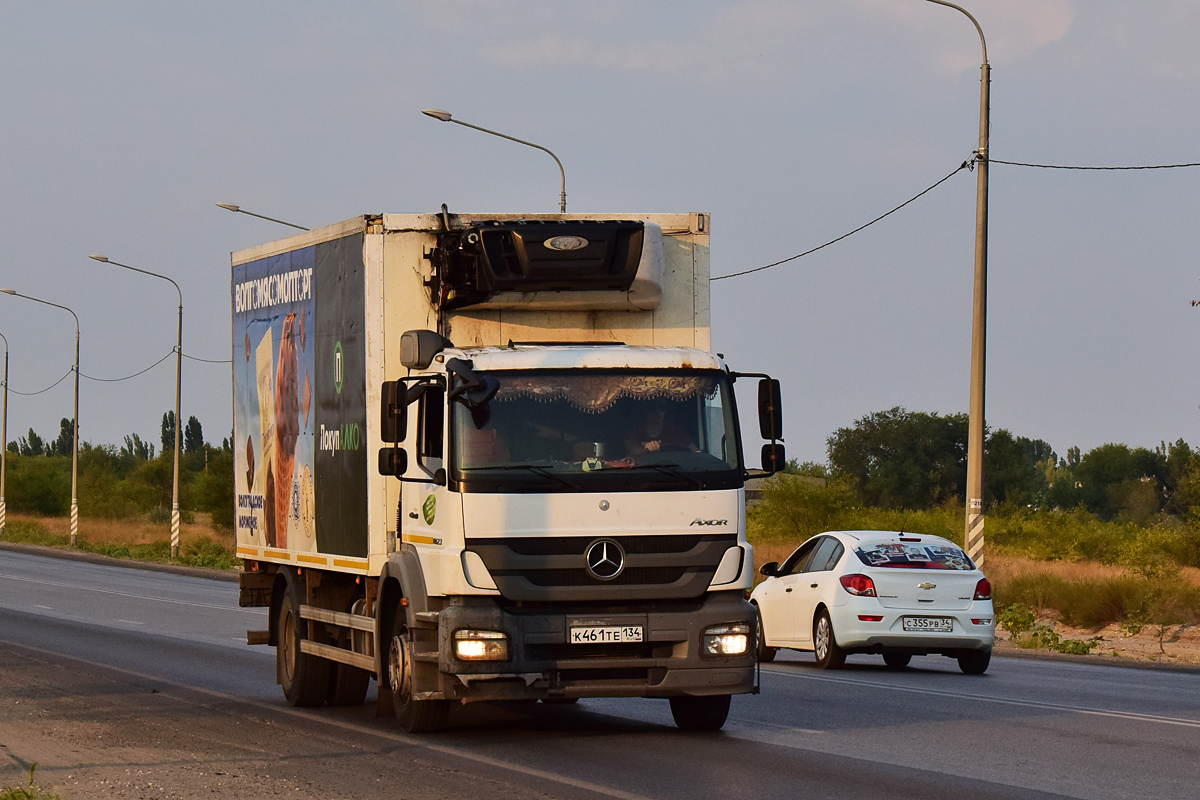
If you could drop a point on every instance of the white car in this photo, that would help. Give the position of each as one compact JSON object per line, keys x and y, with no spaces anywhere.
{"x":895,"y":594}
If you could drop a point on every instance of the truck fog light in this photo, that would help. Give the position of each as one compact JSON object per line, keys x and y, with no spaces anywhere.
{"x":732,"y":639}
{"x":481,"y":645}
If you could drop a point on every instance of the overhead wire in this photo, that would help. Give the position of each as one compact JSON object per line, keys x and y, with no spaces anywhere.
{"x":43,"y":391}
{"x":209,"y":360}
{"x":969,"y":164}
{"x":1065,"y":166}
{"x":134,"y":375}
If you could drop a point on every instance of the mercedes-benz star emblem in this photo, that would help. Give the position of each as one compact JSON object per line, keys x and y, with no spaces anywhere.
{"x":605,"y":559}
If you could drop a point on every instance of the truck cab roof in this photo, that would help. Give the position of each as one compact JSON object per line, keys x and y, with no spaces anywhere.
{"x":578,"y":356}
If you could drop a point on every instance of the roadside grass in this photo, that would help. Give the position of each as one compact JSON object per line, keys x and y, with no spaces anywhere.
{"x":140,"y":540}
{"x":30,"y":791}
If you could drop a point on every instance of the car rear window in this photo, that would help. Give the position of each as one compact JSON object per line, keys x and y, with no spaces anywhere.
{"x":912,"y":556}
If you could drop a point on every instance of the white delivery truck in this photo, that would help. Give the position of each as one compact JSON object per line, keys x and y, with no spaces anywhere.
{"x":489,"y":457}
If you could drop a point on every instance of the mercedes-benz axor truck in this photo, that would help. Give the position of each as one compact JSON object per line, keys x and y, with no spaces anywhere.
{"x":490,"y":457}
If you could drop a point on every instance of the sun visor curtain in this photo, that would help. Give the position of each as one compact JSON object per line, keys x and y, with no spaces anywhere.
{"x":536,"y":256}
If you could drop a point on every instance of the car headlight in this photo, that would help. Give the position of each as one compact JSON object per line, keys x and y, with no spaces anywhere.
{"x":732,"y":639}
{"x":481,"y":645}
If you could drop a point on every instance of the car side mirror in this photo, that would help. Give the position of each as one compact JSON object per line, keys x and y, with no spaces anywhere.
{"x":773,"y":457}
{"x":770,"y":569}
{"x":393,"y":461}
{"x":770,"y":409}
{"x":393,"y":412}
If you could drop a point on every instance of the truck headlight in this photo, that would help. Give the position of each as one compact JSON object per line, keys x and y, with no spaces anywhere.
{"x":732,"y":639}
{"x":481,"y":645}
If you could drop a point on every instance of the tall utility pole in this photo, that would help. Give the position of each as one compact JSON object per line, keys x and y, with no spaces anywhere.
{"x":75,"y":419}
{"x":4,"y":436}
{"x":178,"y":392}
{"x":975,"y":433}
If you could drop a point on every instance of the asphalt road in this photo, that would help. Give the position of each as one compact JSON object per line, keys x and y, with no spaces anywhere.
{"x":129,"y":683}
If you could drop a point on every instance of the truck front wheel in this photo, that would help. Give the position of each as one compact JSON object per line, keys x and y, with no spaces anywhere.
{"x":414,"y":716}
{"x":700,"y":713}
{"x":304,"y":677}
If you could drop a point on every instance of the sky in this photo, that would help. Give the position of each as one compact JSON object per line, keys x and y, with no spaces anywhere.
{"x":790,"y":121}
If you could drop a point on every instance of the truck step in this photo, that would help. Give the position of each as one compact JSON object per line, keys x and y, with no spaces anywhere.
{"x":431,"y":657}
{"x":258,"y":637}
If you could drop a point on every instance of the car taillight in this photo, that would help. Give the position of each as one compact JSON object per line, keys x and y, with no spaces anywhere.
{"x":858,"y":584}
{"x":983,"y":589}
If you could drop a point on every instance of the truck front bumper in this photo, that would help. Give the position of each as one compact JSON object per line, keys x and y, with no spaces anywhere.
{"x":543,"y":664}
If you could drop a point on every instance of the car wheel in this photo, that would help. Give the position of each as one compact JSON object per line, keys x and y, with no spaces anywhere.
{"x":700,"y":713}
{"x":974,"y":662}
{"x":765,"y":653}
{"x":825,"y":646}
{"x":304,"y":677}
{"x":414,"y":716}
{"x":896,"y":660}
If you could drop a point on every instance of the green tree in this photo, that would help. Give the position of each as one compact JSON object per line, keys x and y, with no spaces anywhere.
{"x":64,"y":445}
{"x":168,"y":432}
{"x":193,"y":436}
{"x":32,"y":445}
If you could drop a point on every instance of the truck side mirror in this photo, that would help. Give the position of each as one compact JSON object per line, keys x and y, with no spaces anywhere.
{"x":773,"y":458}
{"x":393,"y":412}
{"x":770,"y":569}
{"x":393,"y":461}
{"x":770,"y":409}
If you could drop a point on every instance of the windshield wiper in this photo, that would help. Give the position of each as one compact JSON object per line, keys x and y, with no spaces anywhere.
{"x":537,"y":469}
{"x":672,"y":469}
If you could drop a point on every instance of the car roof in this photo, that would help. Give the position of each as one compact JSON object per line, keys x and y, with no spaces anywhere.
{"x":886,"y":536}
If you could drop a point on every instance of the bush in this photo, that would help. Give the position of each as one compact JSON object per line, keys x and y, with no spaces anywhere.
{"x":205,"y":552}
{"x":38,"y":485}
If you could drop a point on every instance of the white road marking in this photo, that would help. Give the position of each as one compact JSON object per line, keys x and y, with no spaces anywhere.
{"x":48,"y":608}
{"x":1099,"y":712}
{"x":412,"y":741}
{"x":130,"y":622}
{"x":135,"y":596}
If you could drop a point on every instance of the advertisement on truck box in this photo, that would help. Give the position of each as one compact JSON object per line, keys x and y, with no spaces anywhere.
{"x":300,"y":400}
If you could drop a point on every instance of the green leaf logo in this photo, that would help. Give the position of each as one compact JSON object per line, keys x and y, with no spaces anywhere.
{"x":429,"y":509}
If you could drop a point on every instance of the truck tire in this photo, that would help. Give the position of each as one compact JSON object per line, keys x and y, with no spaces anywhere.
{"x":304,"y":677}
{"x":825,"y":646}
{"x":765,"y":653}
{"x":347,"y":685}
{"x":700,"y":713}
{"x":414,"y":716}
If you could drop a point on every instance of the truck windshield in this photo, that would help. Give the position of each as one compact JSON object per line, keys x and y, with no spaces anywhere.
{"x":599,"y":430}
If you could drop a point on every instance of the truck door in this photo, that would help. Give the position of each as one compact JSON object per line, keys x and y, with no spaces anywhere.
{"x":425,"y":504}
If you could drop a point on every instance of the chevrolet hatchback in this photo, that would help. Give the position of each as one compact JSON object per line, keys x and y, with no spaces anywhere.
{"x":893,"y":594}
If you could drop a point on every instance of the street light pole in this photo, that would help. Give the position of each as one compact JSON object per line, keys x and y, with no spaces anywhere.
{"x":4,"y":436}
{"x":178,"y":392}
{"x":74,"y":423}
{"x":239,"y":210}
{"x":445,"y":116}
{"x":975,"y":434}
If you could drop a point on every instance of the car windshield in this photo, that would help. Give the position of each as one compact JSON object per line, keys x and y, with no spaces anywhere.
{"x":599,"y":430}
{"x":912,"y":556}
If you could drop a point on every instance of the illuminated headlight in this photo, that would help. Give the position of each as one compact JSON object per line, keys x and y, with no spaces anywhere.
{"x":481,"y":645}
{"x":732,"y":639}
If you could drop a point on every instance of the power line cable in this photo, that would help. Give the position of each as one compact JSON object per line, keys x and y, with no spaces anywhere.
{"x":209,"y":360}
{"x":134,"y":375}
{"x":969,"y":164}
{"x":1064,"y":166}
{"x":43,"y":391}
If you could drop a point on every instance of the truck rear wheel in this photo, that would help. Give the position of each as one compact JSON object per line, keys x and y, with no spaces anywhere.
{"x":700,"y":713}
{"x":414,"y":716}
{"x":347,"y":685}
{"x":304,"y":677}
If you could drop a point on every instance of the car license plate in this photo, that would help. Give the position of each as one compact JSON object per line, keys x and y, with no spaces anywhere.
{"x":606,"y":635}
{"x":929,"y":624}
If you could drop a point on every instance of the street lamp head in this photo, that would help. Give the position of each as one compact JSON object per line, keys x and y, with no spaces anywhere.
{"x":99,"y":258}
{"x":437,"y":114}
{"x":229,"y":206}
{"x":9,"y":291}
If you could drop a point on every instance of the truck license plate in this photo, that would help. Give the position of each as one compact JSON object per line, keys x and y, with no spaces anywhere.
{"x":929,"y":624}
{"x":606,"y":635}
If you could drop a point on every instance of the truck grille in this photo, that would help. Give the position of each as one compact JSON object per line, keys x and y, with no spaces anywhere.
{"x":555,"y":569}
